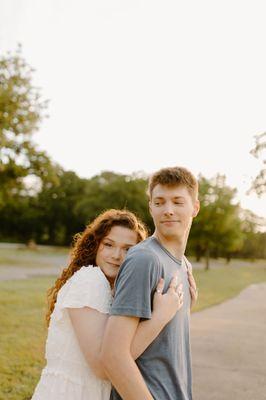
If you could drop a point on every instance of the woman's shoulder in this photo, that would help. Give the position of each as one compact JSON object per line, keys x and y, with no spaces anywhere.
{"x":90,"y":273}
{"x":87,"y":287}
{"x":87,"y":279}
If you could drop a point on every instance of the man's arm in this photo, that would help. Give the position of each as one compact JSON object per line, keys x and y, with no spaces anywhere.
{"x":117,"y":360}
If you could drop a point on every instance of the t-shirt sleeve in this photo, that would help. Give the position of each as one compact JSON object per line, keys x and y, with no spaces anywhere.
{"x":135,"y":285}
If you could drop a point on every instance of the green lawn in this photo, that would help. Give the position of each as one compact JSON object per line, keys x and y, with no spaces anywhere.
{"x":22,"y":335}
{"x":220,"y":284}
{"x":22,"y":327}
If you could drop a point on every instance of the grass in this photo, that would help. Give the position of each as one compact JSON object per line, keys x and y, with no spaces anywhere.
{"x":220,"y":284}
{"x":23,"y":332}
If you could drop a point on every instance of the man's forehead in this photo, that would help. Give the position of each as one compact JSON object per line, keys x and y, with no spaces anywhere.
{"x":173,"y":191}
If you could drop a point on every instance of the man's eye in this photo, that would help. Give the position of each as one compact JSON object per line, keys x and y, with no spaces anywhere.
{"x":157,"y":203}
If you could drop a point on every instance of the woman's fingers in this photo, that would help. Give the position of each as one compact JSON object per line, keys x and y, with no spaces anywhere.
{"x":174,"y":287}
{"x":160,"y":286}
{"x":192,"y":282}
{"x":193,"y":293}
{"x":181,"y":297}
{"x":173,"y":283}
{"x":177,"y":289}
{"x":191,"y":279}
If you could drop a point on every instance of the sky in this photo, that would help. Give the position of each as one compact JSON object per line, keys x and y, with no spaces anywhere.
{"x":137,"y":85}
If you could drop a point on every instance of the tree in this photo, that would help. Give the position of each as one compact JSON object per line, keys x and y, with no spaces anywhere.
{"x":57,"y":209}
{"x":113,"y":190}
{"x":259,"y":183}
{"x":23,"y":168}
{"x":21,"y":112}
{"x":217,"y":228}
{"x":254,"y":244}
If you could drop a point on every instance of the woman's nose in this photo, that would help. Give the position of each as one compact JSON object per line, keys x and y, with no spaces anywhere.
{"x":116,"y":254}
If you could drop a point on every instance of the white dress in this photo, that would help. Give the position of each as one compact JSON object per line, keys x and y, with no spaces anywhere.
{"x":67,"y":376}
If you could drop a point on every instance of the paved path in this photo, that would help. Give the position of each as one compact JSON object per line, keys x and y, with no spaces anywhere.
{"x":14,"y":273}
{"x":229,"y":348}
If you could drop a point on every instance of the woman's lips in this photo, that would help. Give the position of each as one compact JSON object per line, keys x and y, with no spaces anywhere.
{"x":113,"y":265}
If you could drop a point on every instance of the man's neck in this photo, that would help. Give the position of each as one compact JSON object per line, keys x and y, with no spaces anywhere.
{"x":175,"y":246}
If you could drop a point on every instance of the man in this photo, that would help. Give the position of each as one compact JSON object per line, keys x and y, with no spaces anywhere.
{"x":163,"y":371}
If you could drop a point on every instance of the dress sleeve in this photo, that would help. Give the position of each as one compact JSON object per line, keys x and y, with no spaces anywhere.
{"x":88,"y":287}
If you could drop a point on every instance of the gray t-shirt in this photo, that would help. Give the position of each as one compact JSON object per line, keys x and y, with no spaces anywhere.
{"x":165,"y":365}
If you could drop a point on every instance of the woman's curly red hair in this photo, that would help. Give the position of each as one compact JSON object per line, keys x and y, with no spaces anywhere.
{"x":86,"y":244}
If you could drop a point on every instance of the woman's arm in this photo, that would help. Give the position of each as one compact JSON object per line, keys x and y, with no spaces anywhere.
{"x":117,"y":351}
{"x":165,"y":307}
{"x":89,"y":326}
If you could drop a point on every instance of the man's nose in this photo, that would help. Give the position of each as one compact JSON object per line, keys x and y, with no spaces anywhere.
{"x":168,"y":209}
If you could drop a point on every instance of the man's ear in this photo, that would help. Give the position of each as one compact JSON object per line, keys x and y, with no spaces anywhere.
{"x":196,"y":208}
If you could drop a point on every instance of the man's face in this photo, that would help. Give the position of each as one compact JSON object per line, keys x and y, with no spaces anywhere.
{"x":172,"y":209}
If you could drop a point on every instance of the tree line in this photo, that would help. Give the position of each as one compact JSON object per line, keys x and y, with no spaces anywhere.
{"x":41,"y":201}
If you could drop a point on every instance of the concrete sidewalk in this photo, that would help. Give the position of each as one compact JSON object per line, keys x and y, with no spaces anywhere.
{"x":229,"y":348}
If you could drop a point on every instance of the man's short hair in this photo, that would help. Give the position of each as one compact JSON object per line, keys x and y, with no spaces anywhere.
{"x":174,"y":176}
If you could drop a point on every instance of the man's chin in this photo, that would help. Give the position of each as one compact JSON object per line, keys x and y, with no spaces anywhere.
{"x":172,"y":235}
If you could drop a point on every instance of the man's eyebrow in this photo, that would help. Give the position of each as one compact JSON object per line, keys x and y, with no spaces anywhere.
{"x":162,"y":198}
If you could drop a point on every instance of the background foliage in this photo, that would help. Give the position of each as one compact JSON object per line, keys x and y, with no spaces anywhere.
{"x":42,"y":202}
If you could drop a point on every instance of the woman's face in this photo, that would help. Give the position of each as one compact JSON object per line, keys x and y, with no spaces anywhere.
{"x":113,"y":248}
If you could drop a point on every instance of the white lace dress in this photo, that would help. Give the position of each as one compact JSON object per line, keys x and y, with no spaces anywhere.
{"x":67,"y":375}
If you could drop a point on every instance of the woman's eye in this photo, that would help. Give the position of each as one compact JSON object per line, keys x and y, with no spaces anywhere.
{"x":107,"y":244}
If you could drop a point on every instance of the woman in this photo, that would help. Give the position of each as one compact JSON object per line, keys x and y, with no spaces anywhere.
{"x":79,"y":303}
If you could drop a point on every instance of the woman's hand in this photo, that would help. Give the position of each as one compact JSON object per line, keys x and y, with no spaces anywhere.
{"x":166,"y":305}
{"x":192,"y":288}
